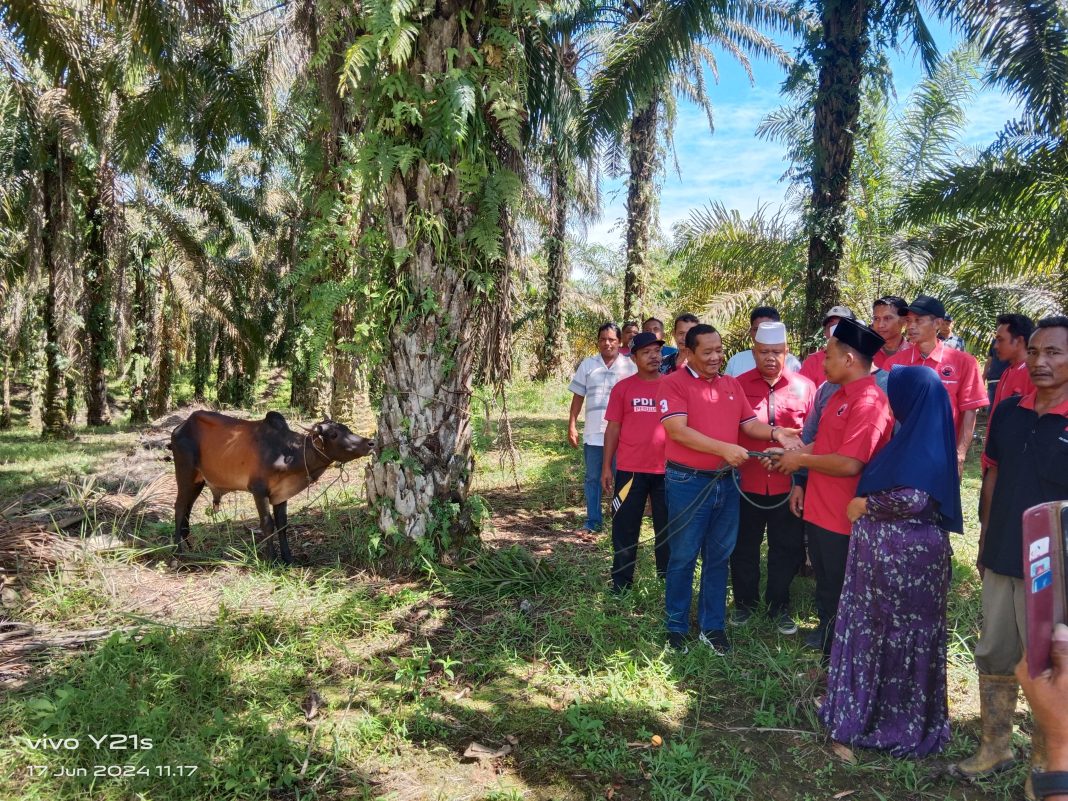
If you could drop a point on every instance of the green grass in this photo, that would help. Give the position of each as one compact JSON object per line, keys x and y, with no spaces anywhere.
{"x":511,"y":649}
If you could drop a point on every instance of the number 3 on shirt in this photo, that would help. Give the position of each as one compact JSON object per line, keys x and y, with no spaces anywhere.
{"x":663,"y":406}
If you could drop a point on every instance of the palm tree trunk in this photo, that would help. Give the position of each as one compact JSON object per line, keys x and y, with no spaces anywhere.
{"x":837,"y":110}
{"x":168,"y":325}
{"x":97,"y":287}
{"x":556,"y":278}
{"x":143,"y":317}
{"x":428,"y":369}
{"x":204,"y":339}
{"x":345,"y":384}
{"x":57,"y":313}
{"x":640,"y":200}
{"x":5,"y":393}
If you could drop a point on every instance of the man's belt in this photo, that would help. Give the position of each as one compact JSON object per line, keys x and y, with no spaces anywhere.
{"x":715,"y":475}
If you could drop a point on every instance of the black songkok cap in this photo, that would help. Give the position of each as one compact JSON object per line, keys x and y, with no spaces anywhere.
{"x":858,"y":336}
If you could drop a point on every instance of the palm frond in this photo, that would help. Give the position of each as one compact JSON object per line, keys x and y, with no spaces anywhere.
{"x":642,"y":55}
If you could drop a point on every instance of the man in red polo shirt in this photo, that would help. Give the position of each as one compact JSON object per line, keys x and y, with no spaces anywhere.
{"x":1010,"y":345}
{"x":812,"y":368}
{"x":783,"y":398}
{"x":635,"y":439}
{"x":888,"y":321}
{"x":702,"y":413}
{"x":855,"y":424}
{"x":958,"y":370}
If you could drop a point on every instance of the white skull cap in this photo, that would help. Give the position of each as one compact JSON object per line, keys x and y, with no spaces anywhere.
{"x":770,"y":333}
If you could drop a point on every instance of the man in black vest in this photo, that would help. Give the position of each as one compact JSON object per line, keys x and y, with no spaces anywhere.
{"x":1027,"y":454}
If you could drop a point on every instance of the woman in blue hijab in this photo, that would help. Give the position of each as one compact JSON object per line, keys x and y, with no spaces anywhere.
{"x":886,"y":687}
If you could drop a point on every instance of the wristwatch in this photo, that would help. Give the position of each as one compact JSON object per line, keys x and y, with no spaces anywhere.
{"x":1050,"y":783}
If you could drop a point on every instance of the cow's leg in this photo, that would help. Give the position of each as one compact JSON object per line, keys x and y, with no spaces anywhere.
{"x":263,"y":507}
{"x":189,"y":489}
{"x":281,"y":528}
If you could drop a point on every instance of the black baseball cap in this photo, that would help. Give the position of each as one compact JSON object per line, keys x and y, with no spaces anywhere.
{"x":925,"y":304}
{"x":644,"y":340}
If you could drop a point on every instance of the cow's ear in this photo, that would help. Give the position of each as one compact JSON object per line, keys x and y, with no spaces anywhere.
{"x":317,"y":429}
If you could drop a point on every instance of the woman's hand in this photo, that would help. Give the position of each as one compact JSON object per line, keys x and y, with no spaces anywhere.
{"x":856,"y":509}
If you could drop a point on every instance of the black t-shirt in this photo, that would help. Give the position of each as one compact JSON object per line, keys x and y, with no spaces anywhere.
{"x":1031,"y":453}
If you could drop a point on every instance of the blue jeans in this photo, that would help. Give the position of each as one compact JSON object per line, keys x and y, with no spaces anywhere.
{"x":703,"y":519}
{"x":593,"y":455}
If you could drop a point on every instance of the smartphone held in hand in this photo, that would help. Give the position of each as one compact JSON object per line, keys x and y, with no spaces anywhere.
{"x":1045,"y":541}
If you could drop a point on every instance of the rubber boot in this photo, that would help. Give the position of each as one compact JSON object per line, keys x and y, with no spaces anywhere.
{"x":997,"y":704}
{"x":1038,"y":761}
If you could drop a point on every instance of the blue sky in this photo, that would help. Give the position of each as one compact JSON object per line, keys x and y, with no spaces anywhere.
{"x":734,"y":167}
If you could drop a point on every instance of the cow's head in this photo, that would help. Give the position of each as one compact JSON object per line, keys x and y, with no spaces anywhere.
{"x":338,"y":443}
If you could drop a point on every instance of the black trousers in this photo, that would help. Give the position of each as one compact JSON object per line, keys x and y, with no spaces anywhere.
{"x":627,"y":523}
{"x":829,"y":551}
{"x":786,"y":553}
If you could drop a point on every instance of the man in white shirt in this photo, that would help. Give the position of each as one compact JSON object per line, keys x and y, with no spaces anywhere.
{"x":592,"y":384}
{"x":743,"y":361}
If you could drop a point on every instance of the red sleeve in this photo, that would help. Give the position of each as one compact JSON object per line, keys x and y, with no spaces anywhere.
{"x":868,"y":420}
{"x":972,"y":392}
{"x":812,"y":369}
{"x":671,"y":399}
{"x":614,"y":412}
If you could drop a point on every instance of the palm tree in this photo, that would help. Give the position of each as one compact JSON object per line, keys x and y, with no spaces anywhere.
{"x":570,"y":176}
{"x":129,"y":72}
{"x":729,"y":264}
{"x":1004,"y":213}
{"x":1018,"y":38}
{"x":658,"y":49}
{"x":441,"y":95}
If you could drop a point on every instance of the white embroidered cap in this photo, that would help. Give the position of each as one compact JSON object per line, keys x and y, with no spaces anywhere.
{"x":770,"y":333}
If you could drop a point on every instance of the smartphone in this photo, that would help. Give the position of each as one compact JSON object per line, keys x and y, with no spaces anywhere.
{"x":1045,"y":542}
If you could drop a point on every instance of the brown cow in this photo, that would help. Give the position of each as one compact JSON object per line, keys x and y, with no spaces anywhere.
{"x":263,"y":457}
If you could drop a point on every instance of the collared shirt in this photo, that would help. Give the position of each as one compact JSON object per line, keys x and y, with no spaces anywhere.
{"x":785,"y":404}
{"x":812,"y":369}
{"x":881,"y":356}
{"x":1015,"y":380}
{"x":594,"y":381}
{"x":715,"y":407}
{"x":959,"y":373}
{"x":641,"y":436}
{"x":855,"y":423}
{"x":1031,"y":454}
{"x":743,"y":361}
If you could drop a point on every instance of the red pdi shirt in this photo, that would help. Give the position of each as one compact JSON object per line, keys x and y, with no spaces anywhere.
{"x":1016,"y":380}
{"x":856,"y":422}
{"x":786,"y":404}
{"x":632,"y":404}
{"x":812,"y":368}
{"x":881,"y":357}
{"x":714,"y":407}
{"x":957,"y":370}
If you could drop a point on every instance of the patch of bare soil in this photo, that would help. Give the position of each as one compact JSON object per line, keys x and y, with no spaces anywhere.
{"x":540,"y":530}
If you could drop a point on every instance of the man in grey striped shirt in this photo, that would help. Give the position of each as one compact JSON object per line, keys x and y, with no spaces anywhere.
{"x":592,"y":384}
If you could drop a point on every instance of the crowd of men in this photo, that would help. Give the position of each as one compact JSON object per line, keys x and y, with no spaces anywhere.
{"x":726,"y":452}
